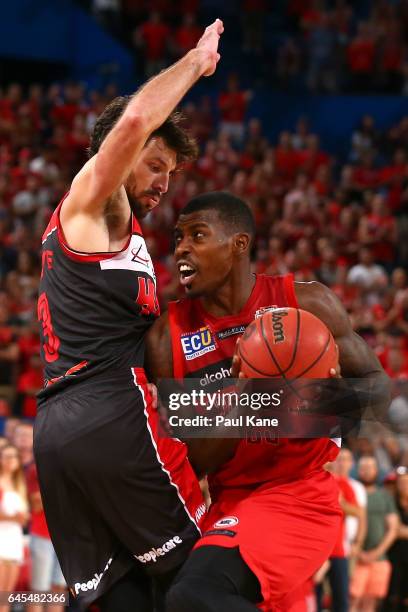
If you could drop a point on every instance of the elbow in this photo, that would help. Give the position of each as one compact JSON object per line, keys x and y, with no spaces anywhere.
{"x":134,"y":120}
{"x":140,"y":119}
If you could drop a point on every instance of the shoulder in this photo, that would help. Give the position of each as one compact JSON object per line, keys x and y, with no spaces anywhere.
{"x":324,"y":304}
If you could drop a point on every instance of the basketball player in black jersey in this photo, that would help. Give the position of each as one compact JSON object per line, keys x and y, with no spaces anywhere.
{"x":117,"y":499}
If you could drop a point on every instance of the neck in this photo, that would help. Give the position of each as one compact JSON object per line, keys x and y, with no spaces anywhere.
{"x":370,"y":488}
{"x":232,"y":296}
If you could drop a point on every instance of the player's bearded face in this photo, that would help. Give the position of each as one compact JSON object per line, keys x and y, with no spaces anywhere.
{"x":141,"y":202}
{"x":149,"y":179}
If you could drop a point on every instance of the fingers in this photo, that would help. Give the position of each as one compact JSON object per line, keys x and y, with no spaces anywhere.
{"x":236,"y":366}
{"x":153,"y":394}
{"x":217,"y":25}
{"x":335,"y":372}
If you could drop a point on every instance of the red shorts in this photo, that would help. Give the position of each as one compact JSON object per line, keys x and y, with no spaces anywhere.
{"x":284,"y":533}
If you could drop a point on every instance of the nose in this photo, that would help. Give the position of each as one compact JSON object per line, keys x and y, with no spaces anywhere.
{"x":161,"y":182}
{"x":182,"y":248}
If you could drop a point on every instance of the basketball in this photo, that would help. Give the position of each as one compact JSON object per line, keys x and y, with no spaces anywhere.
{"x":289,"y":343}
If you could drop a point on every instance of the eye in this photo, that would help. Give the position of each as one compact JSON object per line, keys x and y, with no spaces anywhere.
{"x":199,"y":235}
{"x":177,"y":239}
{"x":154,"y":168}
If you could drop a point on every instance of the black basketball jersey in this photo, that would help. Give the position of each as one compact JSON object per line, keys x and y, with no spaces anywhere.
{"x":94,"y":308}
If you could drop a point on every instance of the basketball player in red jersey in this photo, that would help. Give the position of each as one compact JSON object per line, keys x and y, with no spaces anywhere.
{"x":275,"y":515}
{"x":117,"y":499}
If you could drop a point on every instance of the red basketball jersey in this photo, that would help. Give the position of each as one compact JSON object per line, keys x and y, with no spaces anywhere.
{"x":203,"y":346}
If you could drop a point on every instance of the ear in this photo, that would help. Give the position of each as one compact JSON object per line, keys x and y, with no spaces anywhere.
{"x":242,"y":243}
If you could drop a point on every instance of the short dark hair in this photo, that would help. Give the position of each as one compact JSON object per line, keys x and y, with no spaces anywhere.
{"x":232,"y":211}
{"x":172,"y":131}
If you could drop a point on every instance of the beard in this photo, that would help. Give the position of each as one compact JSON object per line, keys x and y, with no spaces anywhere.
{"x":138,"y":208}
{"x":369,"y":481}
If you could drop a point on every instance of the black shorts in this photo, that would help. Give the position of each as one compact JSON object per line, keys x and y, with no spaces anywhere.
{"x":114,"y":492}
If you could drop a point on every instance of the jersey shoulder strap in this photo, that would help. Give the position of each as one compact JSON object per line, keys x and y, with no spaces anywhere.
{"x":280,"y":288}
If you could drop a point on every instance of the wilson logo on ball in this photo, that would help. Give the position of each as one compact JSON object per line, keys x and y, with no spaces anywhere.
{"x":277,"y":325}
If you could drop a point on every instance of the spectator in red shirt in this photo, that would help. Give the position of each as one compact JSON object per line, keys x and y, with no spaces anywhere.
{"x":29,"y":383}
{"x":396,"y":363}
{"x":312,"y":157}
{"x":153,"y":38}
{"x":286,"y":159}
{"x":186,"y":35}
{"x":65,"y":111}
{"x":28,"y":343}
{"x":46,"y":574}
{"x":391,"y":58}
{"x":378,"y":230}
{"x":233,"y":104}
{"x":9,"y":352}
{"x":365,"y":175}
{"x":361,"y":55}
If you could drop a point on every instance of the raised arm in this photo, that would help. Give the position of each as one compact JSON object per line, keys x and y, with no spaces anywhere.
{"x":148,"y":109}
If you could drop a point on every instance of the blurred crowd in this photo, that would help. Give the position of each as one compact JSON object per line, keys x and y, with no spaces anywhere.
{"x":342,"y":221}
{"x":342,"y":47}
{"x":323,"y":45}
{"x":27,"y":558}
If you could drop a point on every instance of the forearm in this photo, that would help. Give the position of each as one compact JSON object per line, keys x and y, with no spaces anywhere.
{"x":159,"y":96}
{"x":386,"y":542}
{"x":146,"y":111}
{"x":402,"y":532}
{"x":362,"y":529}
{"x":344,"y":402}
{"x":350,"y":509}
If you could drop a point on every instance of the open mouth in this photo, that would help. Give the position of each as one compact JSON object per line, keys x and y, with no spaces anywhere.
{"x":187,"y":273}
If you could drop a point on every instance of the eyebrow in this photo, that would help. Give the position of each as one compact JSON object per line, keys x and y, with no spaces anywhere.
{"x":162,"y":162}
{"x":193,"y":225}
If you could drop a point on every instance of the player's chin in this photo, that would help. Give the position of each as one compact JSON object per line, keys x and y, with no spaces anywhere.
{"x":193,"y":289}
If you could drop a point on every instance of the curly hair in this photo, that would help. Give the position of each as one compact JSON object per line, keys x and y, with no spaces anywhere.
{"x":172,"y":131}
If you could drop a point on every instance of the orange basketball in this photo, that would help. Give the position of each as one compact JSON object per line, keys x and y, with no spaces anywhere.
{"x":288,"y":343}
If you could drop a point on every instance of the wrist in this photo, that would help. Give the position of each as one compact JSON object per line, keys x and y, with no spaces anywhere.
{"x":200,"y":59}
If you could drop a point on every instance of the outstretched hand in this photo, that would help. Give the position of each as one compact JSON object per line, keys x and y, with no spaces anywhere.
{"x":208,"y":43}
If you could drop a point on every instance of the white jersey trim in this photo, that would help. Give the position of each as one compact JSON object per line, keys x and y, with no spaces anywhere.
{"x":158,"y":455}
{"x":49,"y":234}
